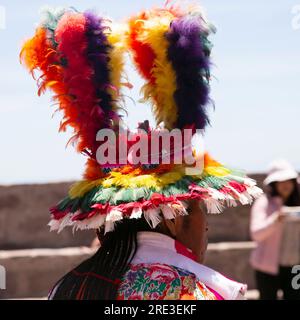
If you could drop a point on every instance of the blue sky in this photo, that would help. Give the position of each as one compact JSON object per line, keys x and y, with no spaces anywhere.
{"x":256,"y":89}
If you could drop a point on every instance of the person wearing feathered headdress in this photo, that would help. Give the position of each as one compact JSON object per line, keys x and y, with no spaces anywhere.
{"x":150,"y":217}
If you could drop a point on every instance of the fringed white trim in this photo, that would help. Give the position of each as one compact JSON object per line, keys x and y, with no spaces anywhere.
{"x":92,"y":223}
{"x":230,"y":201}
{"x":243,"y":199}
{"x":217,"y":195}
{"x":153,"y":217}
{"x":250,"y":182}
{"x":97,"y":221}
{"x":248,"y":196}
{"x":255,"y":191}
{"x":54,"y":224}
{"x":213,"y":205}
{"x":252,"y":193}
{"x":109,"y":226}
{"x":66,"y":221}
{"x":113,"y":216}
{"x":168,"y":212}
{"x":180,"y":209}
{"x":136,"y":213}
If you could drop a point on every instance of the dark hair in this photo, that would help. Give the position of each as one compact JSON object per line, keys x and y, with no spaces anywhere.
{"x":294,"y":198}
{"x":97,"y":278}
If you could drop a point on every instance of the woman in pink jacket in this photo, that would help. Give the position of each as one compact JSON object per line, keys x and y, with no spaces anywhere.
{"x":275,"y":226}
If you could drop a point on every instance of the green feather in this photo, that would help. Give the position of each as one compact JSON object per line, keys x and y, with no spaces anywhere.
{"x":64,"y":204}
{"x":104,"y":195}
{"x":75,"y":204}
{"x":215,"y":182}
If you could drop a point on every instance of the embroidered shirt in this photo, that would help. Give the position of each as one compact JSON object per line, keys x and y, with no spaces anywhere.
{"x":161,"y":282}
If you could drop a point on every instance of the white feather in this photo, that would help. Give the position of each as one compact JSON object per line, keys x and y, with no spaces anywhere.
{"x":113,"y":216}
{"x":255,"y":191}
{"x":217,"y":195}
{"x":136,"y":213}
{"x":92,"y":223}
{"x":244,"y":199}
{"x":249,"y":182}
{"x":152,"y":216}
{"x":168,"y":211}
{"x":231,"y":202}
{"x":213,"y":205}
{"x":54,"y":224}
{"x":66,"y":221}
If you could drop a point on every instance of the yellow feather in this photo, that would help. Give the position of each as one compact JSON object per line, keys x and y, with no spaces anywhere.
{"x":116,"y":63}
{"x":170,"y":177}
{"x":217,"y":171}
{"x":79,"y":189}
{"x":130,"y":180}
{"x":147,"y":181}
{"x":162,"y":93}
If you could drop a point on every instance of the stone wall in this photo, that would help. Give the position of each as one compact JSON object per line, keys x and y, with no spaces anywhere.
{"x":24,"y":216}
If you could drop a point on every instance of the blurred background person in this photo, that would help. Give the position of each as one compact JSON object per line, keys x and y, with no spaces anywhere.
{"x":275,"y":227}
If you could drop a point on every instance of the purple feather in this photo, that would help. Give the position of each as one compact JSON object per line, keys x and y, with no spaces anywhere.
{"x":189,"y":52}
{"x":98,"y":55}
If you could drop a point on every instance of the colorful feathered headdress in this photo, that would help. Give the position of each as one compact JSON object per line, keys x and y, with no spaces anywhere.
{"x":80,"y":57}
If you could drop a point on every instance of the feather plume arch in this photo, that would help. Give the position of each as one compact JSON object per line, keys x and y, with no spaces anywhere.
{"x":80,"y":57}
